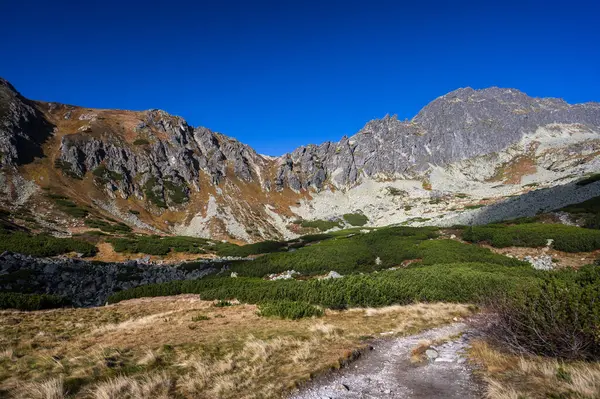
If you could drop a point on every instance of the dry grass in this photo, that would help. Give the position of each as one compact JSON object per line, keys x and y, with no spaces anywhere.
{"x":151,"y":348}
{"x":514,"y":377}
{"x":417,"y":354}
{"x":47,"y":389}
{"x":157,"y":386}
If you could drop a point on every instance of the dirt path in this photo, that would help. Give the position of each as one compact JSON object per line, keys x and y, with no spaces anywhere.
{"x":387,"y":371}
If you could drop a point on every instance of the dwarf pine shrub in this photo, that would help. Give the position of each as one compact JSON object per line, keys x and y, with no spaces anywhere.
{"x":289,"y":310}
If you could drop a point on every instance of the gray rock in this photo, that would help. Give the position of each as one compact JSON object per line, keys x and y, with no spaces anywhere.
{"x":431,"y":353}
{"x":542,"y":262}
{"x":87,"y":284}
{"x":332,"y":274}
{"x":462,"y":124}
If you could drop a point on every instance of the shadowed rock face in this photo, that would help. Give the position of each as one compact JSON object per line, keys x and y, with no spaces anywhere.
{"x":23,"y":128}
{"x":460,"y":125}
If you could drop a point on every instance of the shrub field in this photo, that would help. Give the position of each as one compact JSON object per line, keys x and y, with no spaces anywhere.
{"x":13,"y":300}
{"x":460,"y":282}
{"x":43,"y":245}
{"x":566,"y":238}
{"x":289,"y":310}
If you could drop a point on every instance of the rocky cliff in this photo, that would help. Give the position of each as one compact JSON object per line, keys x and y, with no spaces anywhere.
{"x":463,"y":124}
{"x":156,"y":173}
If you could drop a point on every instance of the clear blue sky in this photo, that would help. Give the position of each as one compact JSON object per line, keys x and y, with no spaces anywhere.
{"x":278,"y":74}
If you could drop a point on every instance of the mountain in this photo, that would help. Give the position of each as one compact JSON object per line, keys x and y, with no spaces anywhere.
{"x":157,"y":174}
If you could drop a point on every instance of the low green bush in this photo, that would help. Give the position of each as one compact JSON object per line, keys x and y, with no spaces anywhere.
{"x":222,"y":304}
{"x":107,"y":227}
{"x":176,"y":193}
{"x":356,"y":219}
{"x":315,"y":237}
{"x":566,"y":238}
{"x":289,"y":310}
{"x":15,"y":300}
{"x":460,"y":282}
{"x":141,"y":142}
{"x":590,"y":206}
{"x":251,"y":249}
{"x":66,"y":168}
{"x":43,"y":245}
{"x":153,"y":193}
{"x":365,"y":253}
{"x":157,"y":245}
{"x":589,"y":180}
{"x":589,"y":210}
{"x":560,"y":317}
{"x":69,"y":207}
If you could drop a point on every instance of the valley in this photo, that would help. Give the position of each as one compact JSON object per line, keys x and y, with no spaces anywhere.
{"x":144,"y":257}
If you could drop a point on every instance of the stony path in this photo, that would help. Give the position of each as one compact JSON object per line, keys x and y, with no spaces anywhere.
{"x":387,"y":372}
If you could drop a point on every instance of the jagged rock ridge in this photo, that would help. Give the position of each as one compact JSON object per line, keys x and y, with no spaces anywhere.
{"x":177,"y":178}
{"x":462,"y":124}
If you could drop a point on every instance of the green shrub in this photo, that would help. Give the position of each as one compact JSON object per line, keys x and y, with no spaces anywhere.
{"x":14,"y":300}
{"x":590,"y":206}
{"x":566,"y":238}
{"x":156,"y":245}
{"x":222,"y":304}
{"x":107,"y":227}
{"x":289,"y":310}
{"x":558,"y":318}
{"x":359,"y":253}
{"x":177,"y":193}
{"x":69,"y":207}
{"x":66,"y":168}
{"x":103,"y":175}
{"x":141,"y":142}
{"x":590,"y":210}
{"x":43,"y":245}
{"x":153,"y":193}
{"x":356,"y":219}
{"x":589,"y":180}
{"x":460,"y":282}
{"x":250,"y":249}
{"x":307,"y":238}
{"x":200,"y":317}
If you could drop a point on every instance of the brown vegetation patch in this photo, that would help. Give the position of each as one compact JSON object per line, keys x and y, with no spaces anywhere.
{"x":564,"y":259}
{"x":512,"y":172}
{"x":513,"y":377}
{"x":196,"y":350}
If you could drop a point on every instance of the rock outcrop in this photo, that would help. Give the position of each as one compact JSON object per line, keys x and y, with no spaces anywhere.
{"x":463,"y":124}
{"x":88,"y":283}
{"x":23,"y":128}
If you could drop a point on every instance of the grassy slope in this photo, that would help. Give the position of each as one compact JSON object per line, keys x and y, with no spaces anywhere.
{"x":189,"y":355}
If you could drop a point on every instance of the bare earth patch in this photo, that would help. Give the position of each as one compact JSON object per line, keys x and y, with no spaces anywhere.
{"x":564,"y":259}
{"x":184,"y":347}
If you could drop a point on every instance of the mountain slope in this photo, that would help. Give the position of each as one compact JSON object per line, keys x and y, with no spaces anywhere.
{"x":156,"y":173}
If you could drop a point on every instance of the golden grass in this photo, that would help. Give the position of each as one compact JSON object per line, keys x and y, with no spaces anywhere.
{"x":152,"y":348}
{"x":513,"y":377}
{"x":48,"y":389}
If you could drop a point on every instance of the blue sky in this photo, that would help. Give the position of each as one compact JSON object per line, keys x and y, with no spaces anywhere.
{"x":278,"y":74}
